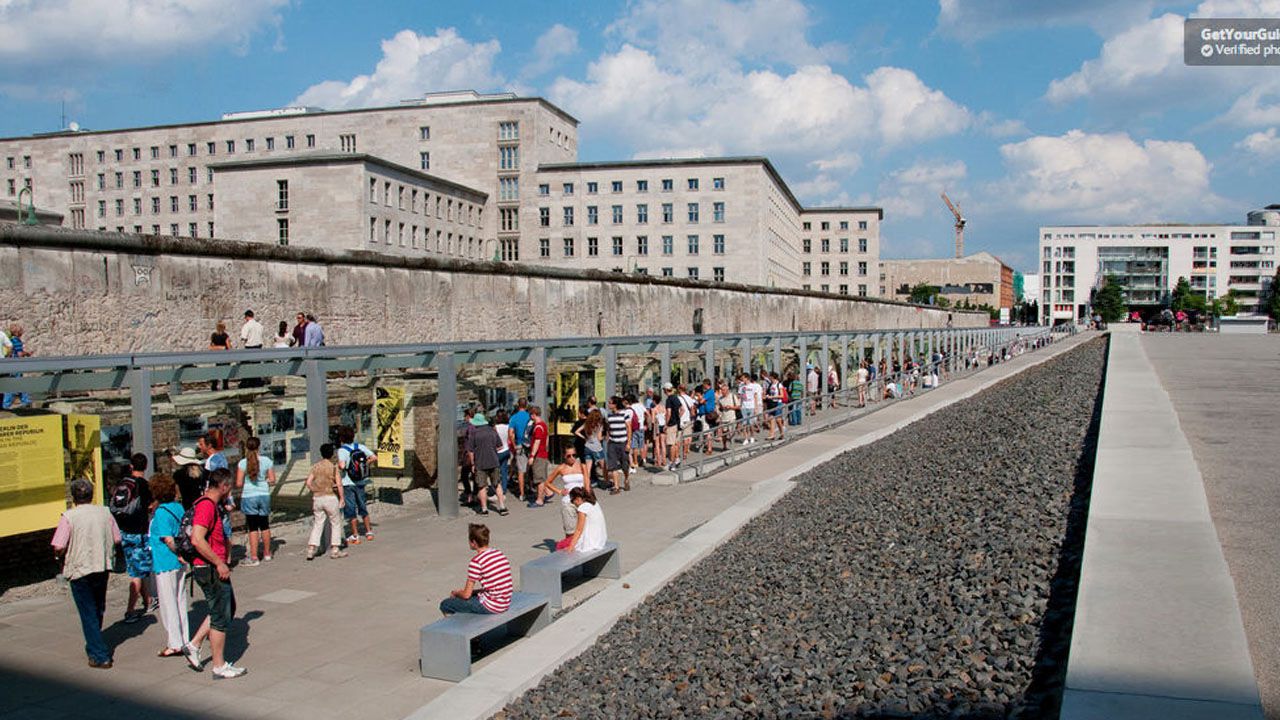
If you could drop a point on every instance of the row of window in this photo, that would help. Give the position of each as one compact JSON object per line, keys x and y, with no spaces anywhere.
{"x":13,"y":185}
{"x":192,"y":177}
{"x":826,"y":225}
{"x":806,"y":245}
{"x":445,"y":207}
{"x":824,"y":268}
{"x":642,"y":186}
{"x":445,"y":243}
{"x":75,"y":161}
{"x":192,"y":204}
{"x":668,"y":245}
{"x":193,"y":229}
{"x":692,"y":211}
{"x":843,"y":289}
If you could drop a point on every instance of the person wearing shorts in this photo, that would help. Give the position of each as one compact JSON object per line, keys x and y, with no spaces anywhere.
{"x":213,"y":575}
{"x":539,"y":453}
{"x":255,"y":474}
{"x":671,"y":407}
{"x":353,"y":489}
{"x":617,"y":450}
{"x":482,"y":449}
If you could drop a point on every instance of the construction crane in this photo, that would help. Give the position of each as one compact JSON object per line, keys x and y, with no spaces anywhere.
{"x":960,"y":221}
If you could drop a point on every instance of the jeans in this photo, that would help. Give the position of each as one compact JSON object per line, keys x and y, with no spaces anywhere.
{"x":504,"y":469}
{"x":795,"y":415}
{"x":90,"y":595}
{"x":451,"y":605}
{"x":356,"y":504}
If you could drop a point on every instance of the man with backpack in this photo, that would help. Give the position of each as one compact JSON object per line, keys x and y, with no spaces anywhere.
{"x":212,"y":573}
{"x":130,"y":506}
{"x":355,"y":461}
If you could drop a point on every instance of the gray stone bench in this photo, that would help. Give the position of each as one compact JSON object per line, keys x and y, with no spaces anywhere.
{"x":544,"y":575}
{"x":446,"y":643}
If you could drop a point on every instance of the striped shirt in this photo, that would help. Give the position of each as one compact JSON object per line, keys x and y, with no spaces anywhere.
{"x":618,"y":430}
{"x":491,"y":569}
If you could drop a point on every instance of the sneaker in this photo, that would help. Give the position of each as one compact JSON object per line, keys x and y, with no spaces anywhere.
{"x":227,"y":671}
{"x":483,"y":512}
{"x":353,"y":540}
{"x":311,"y":555}
{"x":132,"y":617}
{"x":250,"y":562}
{"x":103,"y":665}
{"x":336,"y":553}
{"x":267,"y":558}
{"x":503,"y":511}
{"x":193,"y":657}
{"x":368,"y":536}
{"x":154,"y":606}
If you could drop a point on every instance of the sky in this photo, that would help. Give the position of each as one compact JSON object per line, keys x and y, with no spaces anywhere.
{"x":1026,"y":112}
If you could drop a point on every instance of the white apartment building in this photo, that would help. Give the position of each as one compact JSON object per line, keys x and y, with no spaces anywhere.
{"x":450,"y":174}
{"x":1149,"y":259}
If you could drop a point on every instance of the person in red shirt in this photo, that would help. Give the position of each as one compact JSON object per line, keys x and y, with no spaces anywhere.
{"x":490,"y":570}
{"x":213,"y":574}
{"x":539,"y":453}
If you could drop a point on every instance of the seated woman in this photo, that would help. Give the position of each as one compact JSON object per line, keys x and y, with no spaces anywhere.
{"x":590,"y":533}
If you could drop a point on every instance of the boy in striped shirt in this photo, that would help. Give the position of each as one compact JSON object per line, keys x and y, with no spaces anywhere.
{"x":491,"y":570}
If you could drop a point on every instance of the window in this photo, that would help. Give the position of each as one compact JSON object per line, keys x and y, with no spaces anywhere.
{"x":593,"y":215}
{"x":173,"y":203}
{"x":102,"y":181}
{"x":102,"y":157}
{"x":807,"y":225}
{"x":642,"y":245}
{"x":508,"y":188}
{"x":192,"y":230}
{"x":693,"y":183}
{"x":693,"y":273}
{"x":155,"y":230}
{"x":568,"y":247}
{"x":13,"y":186}
{"x":509,"y":219}
{"x":806,"y":268}
{"x":617,"y":214}
{"x":155,"y":178}
{"x":210,"y":204}
{"x":137,"y":178}
{"x":862,"y":245}
{"x":137,"y":206}
{"x":844,"y":224}
{"x":155,"y":206}
{"x":102,"y":204}
{"x":173,"y":151}
{"x":173,"y":176}
{"x":717,"y":184}
{"x":642,"y":186}
{"x":844,"y":245}
{"x":544,"y":247}
{"x":193,"y":204}
{"x":311,"y":141}
{"x":137,"y":155}
{"x":593,"y":247}
{"x":386,"y":194}
{"x":617,"y":245}
{"x":191,"y":149}
{"x":544,"y":215}
{"x":231,"y":147}
{"x":642,"y":214}
{"x":271,"y":143}
{"x":282,"y":195}
{"x":616,"y":186}
{"x":400,"y":235}
{"x":862,"y":268}
{"x":568,"y":217}
{"x":668,"y":212}
{"x":75,"y":163}
{"x":509,"y":130}
{"x":119,"y":155}
{"x":824,"y":287}
{"x":693,"y":244}
{"x":824,"y":268}
{"x":668,"y":185}
{"x":212,"y":148}
{"x":862,"y":224}
{"x":642,"y":271}
{"x":717,"y":212}
{"x":137,"y":229}
{"x":825,"y":225}
{"x":693,"y":212}
{"x":282,"y":227}
{"x":173,"y":229}
{"x":668,"y":272}
{"x":288,"y":142}
{"x":119,"y":180}
{"x":826,"y":245}
{"x":806,"y":245}
{"x":844,"y":289}
{"x":844,"y":268}
{"x":424,"y":132}
{"x":510,"y":250}
{"x":668,"y":244}
{"x":191,"y":176}
{"x":567,"y":189}
{"x":593,"y":188}
{"x":424,"y":160}
{"x":717,"y":244}
{"x":544,"y":190}
{"x":248,"y":145}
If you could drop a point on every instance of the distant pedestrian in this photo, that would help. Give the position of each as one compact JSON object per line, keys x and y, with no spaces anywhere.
{"x":283,"y":339}
{"x":635,"y":422}
{"x":325,"y":483}
{"x":17,"y":348}
{"x":219,"y":341}
{"x":170,"y":570}
{"x":356,"y":461}
{"x":213,"y":575}
{"x":592,"y":453}
{"x":313,"y":336}
{"x":482,"y":448}
{"x":188,"y":473}
{"x":489,"y":586}
{"x":130,"y":506}
{"x":255,"y":474}
{"x":517,"y":437}
{"x":728,"y":403}
{"x":863,"y":376}
{"x":539,"y":448}
{"x":300,"y":330}
{"x":708,"y":413}
{"x":673,"y":407}
{"x":617,"y":452}
{"x":251,"y":332}
{"x":501,"y":423}
{"x":85,"y":538}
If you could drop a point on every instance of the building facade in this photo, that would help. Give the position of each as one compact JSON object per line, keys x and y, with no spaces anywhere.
{"x":1148,"y":260}
{"x":454,"y":174}
{"x":980,"y":279}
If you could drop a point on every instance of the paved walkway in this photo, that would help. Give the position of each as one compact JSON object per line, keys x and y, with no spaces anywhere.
{"x":337,"y":637}
{"x":1226,"y":390}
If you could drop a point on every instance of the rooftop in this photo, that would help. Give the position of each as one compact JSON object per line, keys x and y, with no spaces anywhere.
{"x":333,"y":158}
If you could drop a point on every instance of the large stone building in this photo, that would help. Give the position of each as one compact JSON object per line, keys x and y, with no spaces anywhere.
{"x":450,"y":174}
{"x":980,"y":278}
{"x":1148,"y":260}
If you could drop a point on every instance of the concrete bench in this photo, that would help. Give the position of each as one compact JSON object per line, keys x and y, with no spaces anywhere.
{"x":446,"y":643}
{"x":544,"y":575}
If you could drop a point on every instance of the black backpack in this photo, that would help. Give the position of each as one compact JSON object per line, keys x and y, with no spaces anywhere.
{"x":126,"y":501}
{"x":357,"y":463}
{"x":187,"y":549}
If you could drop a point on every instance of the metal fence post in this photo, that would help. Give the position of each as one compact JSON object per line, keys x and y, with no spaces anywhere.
{"x":709,"y":362}
{"x":610,"y":372}
{"x":844,"y":363}
{"x":777,"y":354}
{"x":746,"y":355}
{"x":140,"y":412}
{"x":447,"y":433}
{"x":664,"y":355}
{"x":823,"y":387}
{"x":317,"y":407}
{"x":539,"y":391}
{"x":803,"y":370}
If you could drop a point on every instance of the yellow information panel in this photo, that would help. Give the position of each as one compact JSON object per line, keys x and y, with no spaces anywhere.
{"x":32,"y":482}
{"x":388,"y":408}
{"x":82,"y":440}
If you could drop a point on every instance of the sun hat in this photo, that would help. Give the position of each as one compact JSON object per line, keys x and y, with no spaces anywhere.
{"x":479,"y":419}
{"x":185,"y":456}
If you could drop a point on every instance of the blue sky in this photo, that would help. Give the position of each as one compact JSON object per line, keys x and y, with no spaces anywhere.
{"x":1027,"y":112}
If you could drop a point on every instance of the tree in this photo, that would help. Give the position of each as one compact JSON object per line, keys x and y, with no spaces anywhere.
{"x":1230,"y":306}
{"x":1108,"y":301}
{"x":1181,"y":292}
{"x":1272,"y":306}
{"x":923,"y":293}
{"x":941,"y":301}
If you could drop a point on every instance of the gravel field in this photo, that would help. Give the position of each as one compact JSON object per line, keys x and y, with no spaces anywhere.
{"x":930,"y":574}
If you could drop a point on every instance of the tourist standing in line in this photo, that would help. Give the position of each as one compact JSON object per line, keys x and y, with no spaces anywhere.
{"x":572,"y":475}
{"x":16,"y":349}
{"x":517,"y":437}
{"x":688,"y":414}
{"x":482,"y":449}
{"x":255,"y":475}
{"x":207,"y":445}
{"x":85,"y":538}
{"x":728,"y":403}
{"x":795,"y":390}
{"x":489,"y":584}
{"x":617,"y":455}
{"x":300,"y":330}
{"x":709,"y":414}
{"x":283,"y":339}
{"x":772,"y":404}
{"x":833,"y":386}
{"x":539,"y":449}
{"x":221,"y":342}
{"x":188,"y":473}
{"x":592,"y":434}
{"x":673,"y":407}
{"x":130,"y":506}
{"x":811,"y":380}
{"x":589,"y":532}
{"x":251,"y":332}
{"x":752,"y":405}
{"x":313,"y":335}
{"x":170,"y":572}
{"x":467,"y":469}
{"x":325,"y":483}
{"x":213,"y":575}
{"x":636,"y":423}
{"x":356,"y":462}
{"x":658,"y":424}
{"x":501,"y":423}
{"x":862,"y":383}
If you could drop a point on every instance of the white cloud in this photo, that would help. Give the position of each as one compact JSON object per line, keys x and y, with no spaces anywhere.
{"x":1265,"y":145}
{"x":557,"y":42}
{"x":412,"y":65}
{"x":61,"y":32}
{"x":846,"y":162}
{"x":973,"y":19}
{"x":1140,"y":55}
{"x":1258,"y":106}
{"x":914,"y":190}
{"x":909,"y":110}
{"x":1107,"y":178}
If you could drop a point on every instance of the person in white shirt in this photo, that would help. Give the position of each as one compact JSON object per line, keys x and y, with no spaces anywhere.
{"x":591,"y":533}
{"x":863,"y":376}
{"x":250,"y":332}
{"x":752,"y":397}
{"x":637,"y":409}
